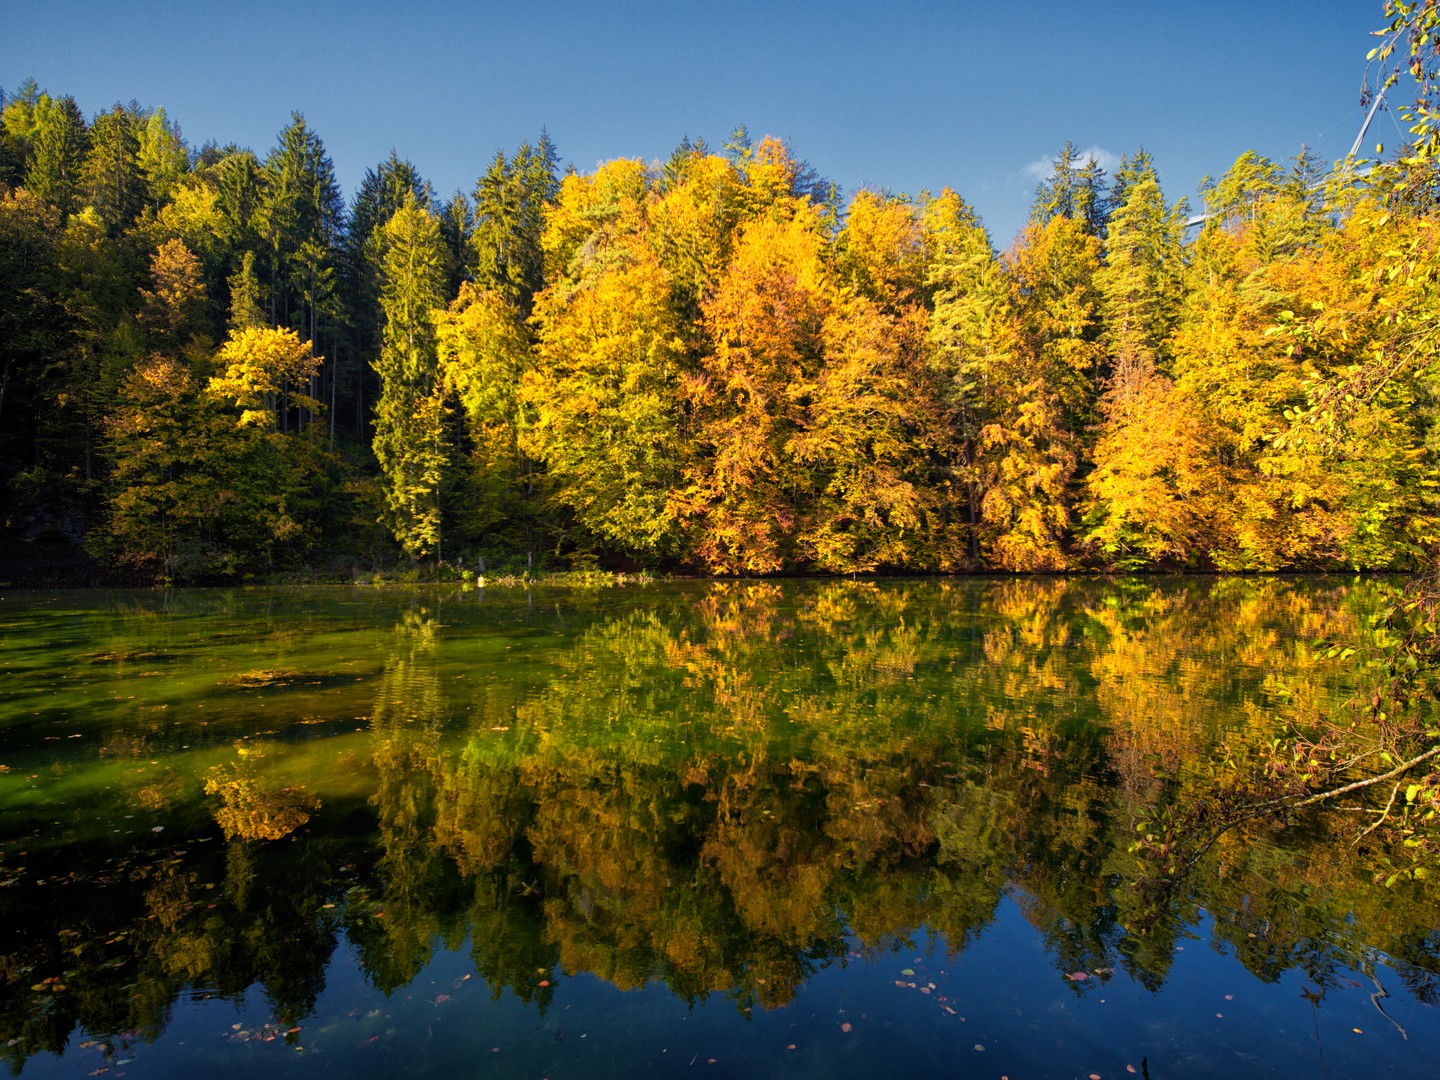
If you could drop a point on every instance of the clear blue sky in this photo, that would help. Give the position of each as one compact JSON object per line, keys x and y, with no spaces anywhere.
{"x":904,"y":95}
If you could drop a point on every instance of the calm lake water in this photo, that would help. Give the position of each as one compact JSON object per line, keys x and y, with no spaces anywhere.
{"x":744,"y":829}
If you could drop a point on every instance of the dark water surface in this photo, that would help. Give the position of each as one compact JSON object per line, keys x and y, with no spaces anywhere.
{"x":777,"y":829}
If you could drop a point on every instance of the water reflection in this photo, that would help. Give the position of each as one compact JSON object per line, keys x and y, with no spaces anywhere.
{"x":721,"y":789}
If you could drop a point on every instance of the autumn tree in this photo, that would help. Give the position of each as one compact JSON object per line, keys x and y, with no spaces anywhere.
{"x":1033,"y":442}
{"x":1150,"y":495}
{"x":175,"y":309}
{"x":204,"y":483}
{"x":484,"y":354}
{"x":971,"y":335}
{"x":603,"y":393}
{"x":877,"y":443}
{"x":745,"y":494}
{"x":878,"y":435}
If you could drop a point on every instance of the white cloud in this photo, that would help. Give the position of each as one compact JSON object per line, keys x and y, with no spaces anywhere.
{"x":1043,"y":167}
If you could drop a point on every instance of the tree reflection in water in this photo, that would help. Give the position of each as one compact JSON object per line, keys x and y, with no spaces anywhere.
{"x":722,"y":789}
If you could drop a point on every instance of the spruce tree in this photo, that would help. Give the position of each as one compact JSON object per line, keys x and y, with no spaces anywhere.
{"x":410,"y":415}
{"x":57,"y":153}
{"x":111,"y":178}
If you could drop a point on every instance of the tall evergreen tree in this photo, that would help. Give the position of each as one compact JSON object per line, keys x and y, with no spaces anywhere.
{"x":509,"y":223}
{"x":111,"y":178}
{"x":17,"y":124}
{"x":1075,"y":189}
{"x":410,"y":440}
{"x":457,"y":227}
{"x":238,"y":180}
{"x":971,"y":334}
{"x":1142,"y":282}
{"x":300,"y":203}
{"x":384,"y":189}
{"x":162,"y":157}
{"x":301,"y":219}
{"x":58,"y":145}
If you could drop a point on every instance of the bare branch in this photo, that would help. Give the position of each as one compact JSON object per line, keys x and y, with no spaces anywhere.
{"x":1399,"y":770}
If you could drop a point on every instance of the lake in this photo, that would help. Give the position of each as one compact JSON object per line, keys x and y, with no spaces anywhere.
{"x":792,"y":829}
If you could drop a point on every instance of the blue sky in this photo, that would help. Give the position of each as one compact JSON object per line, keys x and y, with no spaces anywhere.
{"x":905,"y":95}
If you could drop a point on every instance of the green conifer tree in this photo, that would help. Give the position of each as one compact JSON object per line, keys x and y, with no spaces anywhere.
{"x":410,"y":441}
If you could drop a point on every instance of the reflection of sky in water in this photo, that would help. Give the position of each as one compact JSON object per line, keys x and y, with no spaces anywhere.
{"x":651,"y":837}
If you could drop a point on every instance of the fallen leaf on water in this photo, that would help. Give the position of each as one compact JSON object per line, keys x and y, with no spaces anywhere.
{"x":845,"y":1027}
{"x":979,"y":1047}
{"x":790,"y":1047}
{"x":1229,"y":997}
{"x":1357,"y":1031}
{"x":1131,"y":1069}
{"x":440,"y":999}
{"x":1094,"y":1076}
{"x":907,"y":971}
{"x":1078,"y":976}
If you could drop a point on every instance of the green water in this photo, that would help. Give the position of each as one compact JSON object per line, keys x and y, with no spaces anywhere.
{"x":745,"y":828}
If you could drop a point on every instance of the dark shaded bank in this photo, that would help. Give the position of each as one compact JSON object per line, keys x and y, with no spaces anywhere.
{"x":51,"y":564}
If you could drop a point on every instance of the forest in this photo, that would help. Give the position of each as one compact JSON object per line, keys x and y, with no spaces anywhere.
{"x":216,"y":368}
